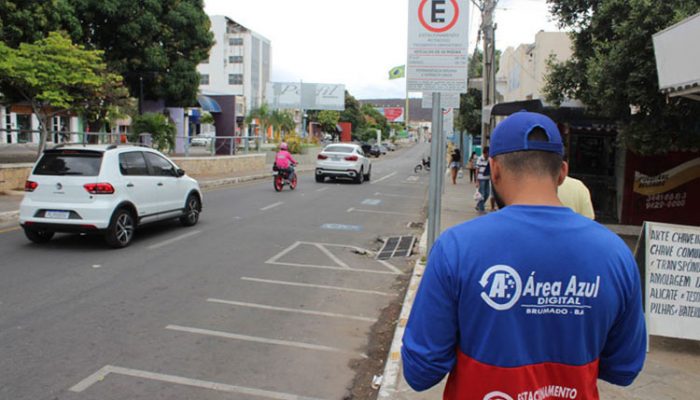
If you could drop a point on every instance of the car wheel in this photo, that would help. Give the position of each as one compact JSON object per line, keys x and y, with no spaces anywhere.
{"x":37,"y":236}
{"x":360,"y":177}
{"x":369,"y":174}
{"x":320,"y":178}
{"x":121,"y":229}
{"x":192,"y":209}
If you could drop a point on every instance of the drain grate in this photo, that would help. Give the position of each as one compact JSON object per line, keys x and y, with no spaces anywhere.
{"x":396,"y":246}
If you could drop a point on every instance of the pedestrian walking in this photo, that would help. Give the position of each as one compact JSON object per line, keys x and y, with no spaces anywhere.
{"x":471,"y":166}
{"x":455,"y":164}
{"x":574,"y":194}
{"x":483,"y":179}
{"x":531,"y":302}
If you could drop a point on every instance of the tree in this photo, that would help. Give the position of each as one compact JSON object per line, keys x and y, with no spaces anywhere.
{"x":352,"y":113}
{"x":282,"y":122}
{"x":375,"y":120}
{"x":154,"y":42}
{"x":613,"y":70}
{"x":161,"y":130}
{"x":468,"y":118}
{"x":262,"y":115}
{"x":56,"y":77}
{"x":328,"y":120}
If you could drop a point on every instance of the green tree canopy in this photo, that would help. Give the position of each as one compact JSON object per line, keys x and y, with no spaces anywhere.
{"x":55,"y":76}
{"x":161,"y":130}
{"x":353,"y":113}
{"x":328,"y":120}
{"x":613,"y":70}
{"x":375,"y":120}
{"x":159,"y":42}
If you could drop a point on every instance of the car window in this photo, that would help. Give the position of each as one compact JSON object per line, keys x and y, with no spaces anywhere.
{"x":133,"y":163}
{"x":338,"y":149}
{"x":159,"y":165}
{"x":360,"y":152}
{"x":69,"y":162}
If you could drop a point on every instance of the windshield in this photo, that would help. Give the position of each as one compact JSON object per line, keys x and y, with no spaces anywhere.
{"x":69,"y":162}
{"x":338,"y":149}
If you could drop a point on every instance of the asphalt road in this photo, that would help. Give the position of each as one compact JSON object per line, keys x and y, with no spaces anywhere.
{"x":267,"y":297}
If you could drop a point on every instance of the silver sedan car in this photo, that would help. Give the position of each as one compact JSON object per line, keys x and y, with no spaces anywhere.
{"x":343,"y":160}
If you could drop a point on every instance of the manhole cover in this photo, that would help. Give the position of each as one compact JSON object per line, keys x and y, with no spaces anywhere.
{"x":396,"y":246}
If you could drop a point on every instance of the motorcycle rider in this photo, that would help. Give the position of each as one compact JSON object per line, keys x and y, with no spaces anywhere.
{"x":284,"y":162}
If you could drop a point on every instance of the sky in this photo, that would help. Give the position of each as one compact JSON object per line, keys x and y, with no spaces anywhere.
{"x":357,"y":42}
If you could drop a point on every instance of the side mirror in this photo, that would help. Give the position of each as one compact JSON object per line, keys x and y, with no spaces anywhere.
{"x":180,"y":172}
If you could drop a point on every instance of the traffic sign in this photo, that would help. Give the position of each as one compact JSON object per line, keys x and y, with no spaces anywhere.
{"x":438,"y":46}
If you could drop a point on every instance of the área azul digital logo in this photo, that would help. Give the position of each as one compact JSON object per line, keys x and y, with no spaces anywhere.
{"x":502,"y":287}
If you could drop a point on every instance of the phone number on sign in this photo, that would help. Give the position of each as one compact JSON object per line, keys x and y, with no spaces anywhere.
{"x":667,"y":200}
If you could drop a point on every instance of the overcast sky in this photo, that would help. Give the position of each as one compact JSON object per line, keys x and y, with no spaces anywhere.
{"x":356,"y":42}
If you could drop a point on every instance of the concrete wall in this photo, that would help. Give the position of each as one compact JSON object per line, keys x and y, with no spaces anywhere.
{"x":12,"y":176}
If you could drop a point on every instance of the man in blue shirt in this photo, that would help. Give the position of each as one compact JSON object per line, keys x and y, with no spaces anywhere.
{"x":533,"y":301}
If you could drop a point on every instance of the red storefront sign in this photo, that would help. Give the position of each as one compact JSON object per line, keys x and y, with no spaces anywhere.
{"x":662,"y":189}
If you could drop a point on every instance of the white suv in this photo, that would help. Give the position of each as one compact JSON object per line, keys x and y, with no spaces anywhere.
{"x":105,"y":189}
{"x":343,"y":160}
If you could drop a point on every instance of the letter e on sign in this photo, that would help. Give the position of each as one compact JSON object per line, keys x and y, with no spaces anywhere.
{"x":440,"y":16}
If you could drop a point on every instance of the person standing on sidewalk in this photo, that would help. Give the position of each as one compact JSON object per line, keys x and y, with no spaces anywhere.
{"x":533,"y":301}
{"x":471,"y":166}
{"x":455,"y":164}
{"x":483,"y":179}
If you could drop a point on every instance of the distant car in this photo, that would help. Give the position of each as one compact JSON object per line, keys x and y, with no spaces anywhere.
{"x":343,"y":161}
{"x":201,"y":141}
{"x":371,"y":150}
{"x":109,"y":190}
{"x":390,"y":146}
{"x":375,"y":150}
{"x":383,"y":149}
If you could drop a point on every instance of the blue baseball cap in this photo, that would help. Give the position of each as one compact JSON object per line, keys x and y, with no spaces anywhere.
{"x":511,"y":134}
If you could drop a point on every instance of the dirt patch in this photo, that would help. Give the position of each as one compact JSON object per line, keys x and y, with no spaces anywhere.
{"x":381,"y":336}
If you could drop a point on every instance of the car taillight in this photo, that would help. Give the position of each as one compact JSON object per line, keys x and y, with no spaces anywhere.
{"x":351,"y":158}
{"x":30,"y":186}
{"x":322,"y":157}
{"x":99,"y":188}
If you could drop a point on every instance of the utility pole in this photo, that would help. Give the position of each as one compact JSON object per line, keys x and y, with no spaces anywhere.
{"x":488,"y":73}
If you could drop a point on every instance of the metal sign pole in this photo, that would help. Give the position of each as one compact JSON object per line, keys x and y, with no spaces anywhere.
{"x":434,"y":190}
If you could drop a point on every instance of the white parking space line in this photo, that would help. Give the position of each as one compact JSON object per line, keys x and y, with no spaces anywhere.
{"x":275,"y":260}
{"x":412,"y":179}
{"x":310,"y":285}
{"x":173,"y":240}
{"x":331,"y":256}
{"x":101,"y":374}
{"x":271,"y":206}
{"x":381,"y":212}
{"x":391,"y":267}
{"x":383,"y":178}
{"x":292,"y":310}
{"x":322,"y":189}
{"x":398,"y":195}
{"x":256,"y":339}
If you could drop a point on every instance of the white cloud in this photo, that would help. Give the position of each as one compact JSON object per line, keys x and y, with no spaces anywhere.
{"x":354,"y":42}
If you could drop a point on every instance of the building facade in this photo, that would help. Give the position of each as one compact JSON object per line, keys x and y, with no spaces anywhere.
{"x":522,"y":70}
{"x":239,"y":63}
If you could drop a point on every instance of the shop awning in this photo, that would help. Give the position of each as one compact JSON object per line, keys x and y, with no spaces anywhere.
{"x":208,"y":104}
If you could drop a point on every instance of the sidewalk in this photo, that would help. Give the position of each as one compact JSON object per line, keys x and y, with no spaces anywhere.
{"x":9,"y":202}
{"x":671,"y":371}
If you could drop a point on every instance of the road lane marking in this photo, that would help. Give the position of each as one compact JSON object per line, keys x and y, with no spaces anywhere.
{"x":8,"y":230}
{"x":96,"y":266}
{"x":322,"y":189}
{"x":256,"y":339}
{"x":412,"y":179}
{"x":398,"y":195}
{"x":310,"y":285}
{"x":350,"y":209}
{"x":371,"y":202}
{"x":342,"y":227}
{"x":173,"y":240}
{"x":331,"y":256}
{"x":391,"y":267}
{"x":271,"y":206}
{"x":292,"y":310}
{"x":381,"y":212}
{"x":383,"y":178}
{"x":102,"y":373}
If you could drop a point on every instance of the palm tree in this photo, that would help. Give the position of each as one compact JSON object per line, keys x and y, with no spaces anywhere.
{"x":262,"y":114}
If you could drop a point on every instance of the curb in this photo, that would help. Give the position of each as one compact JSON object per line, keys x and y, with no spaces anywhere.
{"x":391,"y":376}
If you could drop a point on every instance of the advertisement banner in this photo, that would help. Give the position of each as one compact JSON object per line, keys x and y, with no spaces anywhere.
{"x":663,"y":188}
{"x":392,"y":114}
{"x":308,"y":96}
{"x":437,"y":45}
{"x":672,"y":280}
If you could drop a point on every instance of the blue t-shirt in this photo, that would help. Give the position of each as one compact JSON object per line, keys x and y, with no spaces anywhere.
{"x":527,"y":301}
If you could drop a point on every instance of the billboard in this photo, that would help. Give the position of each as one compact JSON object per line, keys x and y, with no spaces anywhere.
{"x":307,"y":96}
{"x":392,"y":114}
{"x":678,"y":66}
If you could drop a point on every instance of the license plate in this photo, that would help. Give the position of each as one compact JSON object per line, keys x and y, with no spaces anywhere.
{"x":57,"y":214}
{"x":335,"y":158}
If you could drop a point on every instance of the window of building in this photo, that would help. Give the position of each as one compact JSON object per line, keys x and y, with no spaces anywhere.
{"x":204,"y":79}
{"x":235,"y":41}
{"x":235,"y":59}
{"x":235,"y":79}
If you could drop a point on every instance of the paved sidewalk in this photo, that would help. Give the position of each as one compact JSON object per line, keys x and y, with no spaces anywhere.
{"x":672,"y":369}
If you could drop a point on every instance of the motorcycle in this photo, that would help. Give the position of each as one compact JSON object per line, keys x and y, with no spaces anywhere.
{"x":281,"y":177}
{"x":424,"y":163}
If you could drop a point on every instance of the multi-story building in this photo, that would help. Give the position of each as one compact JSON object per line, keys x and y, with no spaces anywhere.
{"x":239,"y":63}
{"x":522,"y":70}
